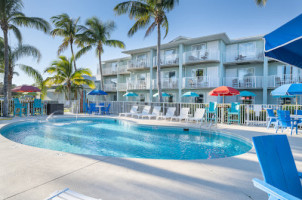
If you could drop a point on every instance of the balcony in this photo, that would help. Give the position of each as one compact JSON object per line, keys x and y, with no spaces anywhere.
{"x":167,"y":61}
{"x":193,"y":57}
{"x":122,"y":87}
{"x":123,"y":68}
{"x":247,"y":82}
{"x":200,"y":82}
{"x":110,"y":87}
{"x":234,"y":57}
{"x":109,"y":71}
{"x":166,"y":83}
{"x":138,"y":85}
{"x":142,"y":64}
{"x":278,"y":80}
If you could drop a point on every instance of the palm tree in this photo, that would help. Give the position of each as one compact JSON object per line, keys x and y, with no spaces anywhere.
{"x":37,"y":76}
{"x":143,"y":12}
{"x":65,"y":76}
{"x":261,"y":2}
{"x":68,"y":28}
{"x":11,"y":17}
{"x":97,"y":34}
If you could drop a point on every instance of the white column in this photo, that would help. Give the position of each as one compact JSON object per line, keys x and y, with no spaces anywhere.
{"x":151,"y":74}
{"x":180,"y":76}
{"x":265,"y":80}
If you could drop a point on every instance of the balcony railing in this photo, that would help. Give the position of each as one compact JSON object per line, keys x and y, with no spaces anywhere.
{"x":123,"y":68}
{"x":138,"y":85}
{"x":139,"y":64}
{"x":110,"y":87}
{"x":278,"y":80}
{"x":201,"y":56}
{"x":166,"y":83}
{"x":244,"y":82}
{"x":109,"y":71}
{"x":121,"y":86}
{"x":167,"y":60}
{"x":200,"y":82}
{"x":235,"y":56}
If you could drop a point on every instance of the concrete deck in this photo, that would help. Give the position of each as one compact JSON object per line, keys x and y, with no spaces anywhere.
{"x":30,"y":173}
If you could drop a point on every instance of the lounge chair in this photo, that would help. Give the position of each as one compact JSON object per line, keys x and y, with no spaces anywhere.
{"x":145,"y":111}
{"x":234,"y":111}
{"x":212,"y":110}
{"x":132,"y":111}
{"x":19,"y":106}
{"x":155,"y":112}
{"x":281,"y":178}
{"x":284,"y":121}
{"x":271,"y":118}
{"x":170,"y":113}
{"x":68,"y":194}
{"x":183,"y":115}
{"x":198,"y":115}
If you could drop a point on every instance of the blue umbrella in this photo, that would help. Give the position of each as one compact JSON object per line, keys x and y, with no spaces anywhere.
{"x":163,"y":93}
{"x":289,"y":90}
{"x":247,"y":94}
{"x":130,"y":94}
{"x":285,"y":43}
{"x":97,"y":92}
{"x":190,"y":94}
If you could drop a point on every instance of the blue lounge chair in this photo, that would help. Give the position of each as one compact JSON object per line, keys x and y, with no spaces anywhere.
{"x":272,"y":119}
{"x":284,"y":121}
{"x":234,"y":110}
{"x":20,"y":108}
{"x":37,"y":107}
{"x":298,"y":112}
{"x":281,"y":178}
{"x":212,"y":111}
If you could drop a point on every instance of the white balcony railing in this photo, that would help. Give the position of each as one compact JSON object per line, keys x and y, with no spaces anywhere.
{"x":201,"y":56}
{"x":167,"y":60}
{"x":110,"y":87}
{"x":244,"y":82}
{"x":109,"y":71}
{"x":139,"y":64}
{"x":200,"y":82}
{"x":235,"y":56}
{"x":123,"y":68}
{"x":138,"y":85}
{"x":278,"y":80}
{"x":122,"y":86}
{"x":166,"y":83}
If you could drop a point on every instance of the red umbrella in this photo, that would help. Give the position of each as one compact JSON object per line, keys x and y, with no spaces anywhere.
{"x":26,"y":88}
{"x":224,"y":91}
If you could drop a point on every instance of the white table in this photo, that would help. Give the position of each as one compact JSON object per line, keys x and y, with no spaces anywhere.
{"x":100,"y":108}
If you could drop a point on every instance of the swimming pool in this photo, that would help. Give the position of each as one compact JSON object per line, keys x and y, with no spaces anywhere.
{"x":118,"y":138}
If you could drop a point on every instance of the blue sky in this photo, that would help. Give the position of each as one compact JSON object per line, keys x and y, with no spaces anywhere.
{"x":191,"y":18}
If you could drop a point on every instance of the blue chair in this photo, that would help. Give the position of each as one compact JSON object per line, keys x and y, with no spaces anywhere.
{"x":86,"y":108}
{"x":281,"y":178}
{"x":37,"y":107}
{"x":284,"y":121}
{"x":20,"y":108}
{"x":298,"y":112}
{"x":105,"y":110}
{"x":93,"y":108}
{"x":234,"y":110}
{"x":271,"y":117}
{"x":212,"y":110}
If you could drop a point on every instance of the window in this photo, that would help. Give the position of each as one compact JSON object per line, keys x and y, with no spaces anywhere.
{"x":247,"y":49}
{"x":142,"y":97}
{"x":170,"y":98}
{"x":169,"y":75}
{"x":141,"y":57}
{"x":199,"y":99}
{"x":198,"y":47}
{"x":244,"y":72}
{"x":197,"y":72}
{"x":114,"y":65}
{"x":170,"y":52}
{"x":142,"y":77}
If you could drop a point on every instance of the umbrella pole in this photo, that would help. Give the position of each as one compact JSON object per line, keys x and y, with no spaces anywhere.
{"x":296,"y":104}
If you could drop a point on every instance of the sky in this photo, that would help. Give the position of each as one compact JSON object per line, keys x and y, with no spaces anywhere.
{"x":191,"y":18}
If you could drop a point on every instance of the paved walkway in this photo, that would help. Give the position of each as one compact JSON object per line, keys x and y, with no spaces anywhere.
{"x":30,"y":173}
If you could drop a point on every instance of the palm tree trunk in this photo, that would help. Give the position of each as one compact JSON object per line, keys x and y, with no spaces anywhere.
{"x":10,"y":81}
{"x":74,"y":61}
{"x":6,"y":72}
{"x":101,"y":72}
{"x":158,"y":64}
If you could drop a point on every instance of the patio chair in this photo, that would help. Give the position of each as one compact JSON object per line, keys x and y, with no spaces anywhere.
{"x":145,"y":111}
{"x":170,"y":113}
{"x":37,"y":107}
{"x":68,"y":194}
{"x":105,"y":110}
{"x":271,"y":118}
{"x":284,"y":121}
{"x":281,"y":178}
{"x":234,"y":111}
{"x":86,"y":108}
{"x":132,"y":111}
{"x":198,"y":115}
{"x":20,"y":108}
{"x":298,"y":112}
{"x":212,"y":110}
{"x":155,"y":113}
{"x":93,"y":108}
{"x":183,"y":115}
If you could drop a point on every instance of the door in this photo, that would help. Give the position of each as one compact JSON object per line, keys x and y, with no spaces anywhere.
{"x":212,"y":73}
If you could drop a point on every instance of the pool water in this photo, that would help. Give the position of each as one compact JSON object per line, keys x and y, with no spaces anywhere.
{"x":117,"y":138}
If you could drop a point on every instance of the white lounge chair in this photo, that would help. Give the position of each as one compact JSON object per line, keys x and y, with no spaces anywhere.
{"x":155,"y":112}
{"x":198,"y":115}
{"x":183,"y":115}
{"x":132,"y":111}
{"x":170,"y":113}
{"x":145,"y":111}
{"x":68,"y":194}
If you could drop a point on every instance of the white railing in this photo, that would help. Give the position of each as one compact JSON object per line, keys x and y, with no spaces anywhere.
{"x":235,"y":56}
{"x":109,"y":71}
{"x":123,"y":68}
{"x":167,"y":60}
{"x":200,"y":82}
{"x":28,"y":103}
{"x":244,"y":82}
{"x":138,"y":85}
{"x":166,"y":83}
{"x":278,"y":80}
{"x":121,"y":86}
{"x":139,"y":64}
{"x":200,"y":56}
{"x":110,"y":87}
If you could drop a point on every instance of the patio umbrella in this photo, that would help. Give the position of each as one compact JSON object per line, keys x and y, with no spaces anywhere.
{"x":288,"y":90}
{"x":163,"y":94}
{"x":190,"y":94}
{"x":285,"y":43}
{"x":97,"y":93}
{"x":247,"y":94}
{"x":130,"y":94}
{"x":26,"y":88}
{"x":224,"y":91}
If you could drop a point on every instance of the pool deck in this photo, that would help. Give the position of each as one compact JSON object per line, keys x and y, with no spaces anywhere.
{"x":30,"y":173}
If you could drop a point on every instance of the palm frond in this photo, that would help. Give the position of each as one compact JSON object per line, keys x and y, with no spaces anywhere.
{"x":30,"y":71}
{"x":26,"y":50}
{"x":115,"y":43}
{"x":33,"y":22}
{"x":261,"y":2}
{"x":83,"y":51}
{"x":16,"y":32}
